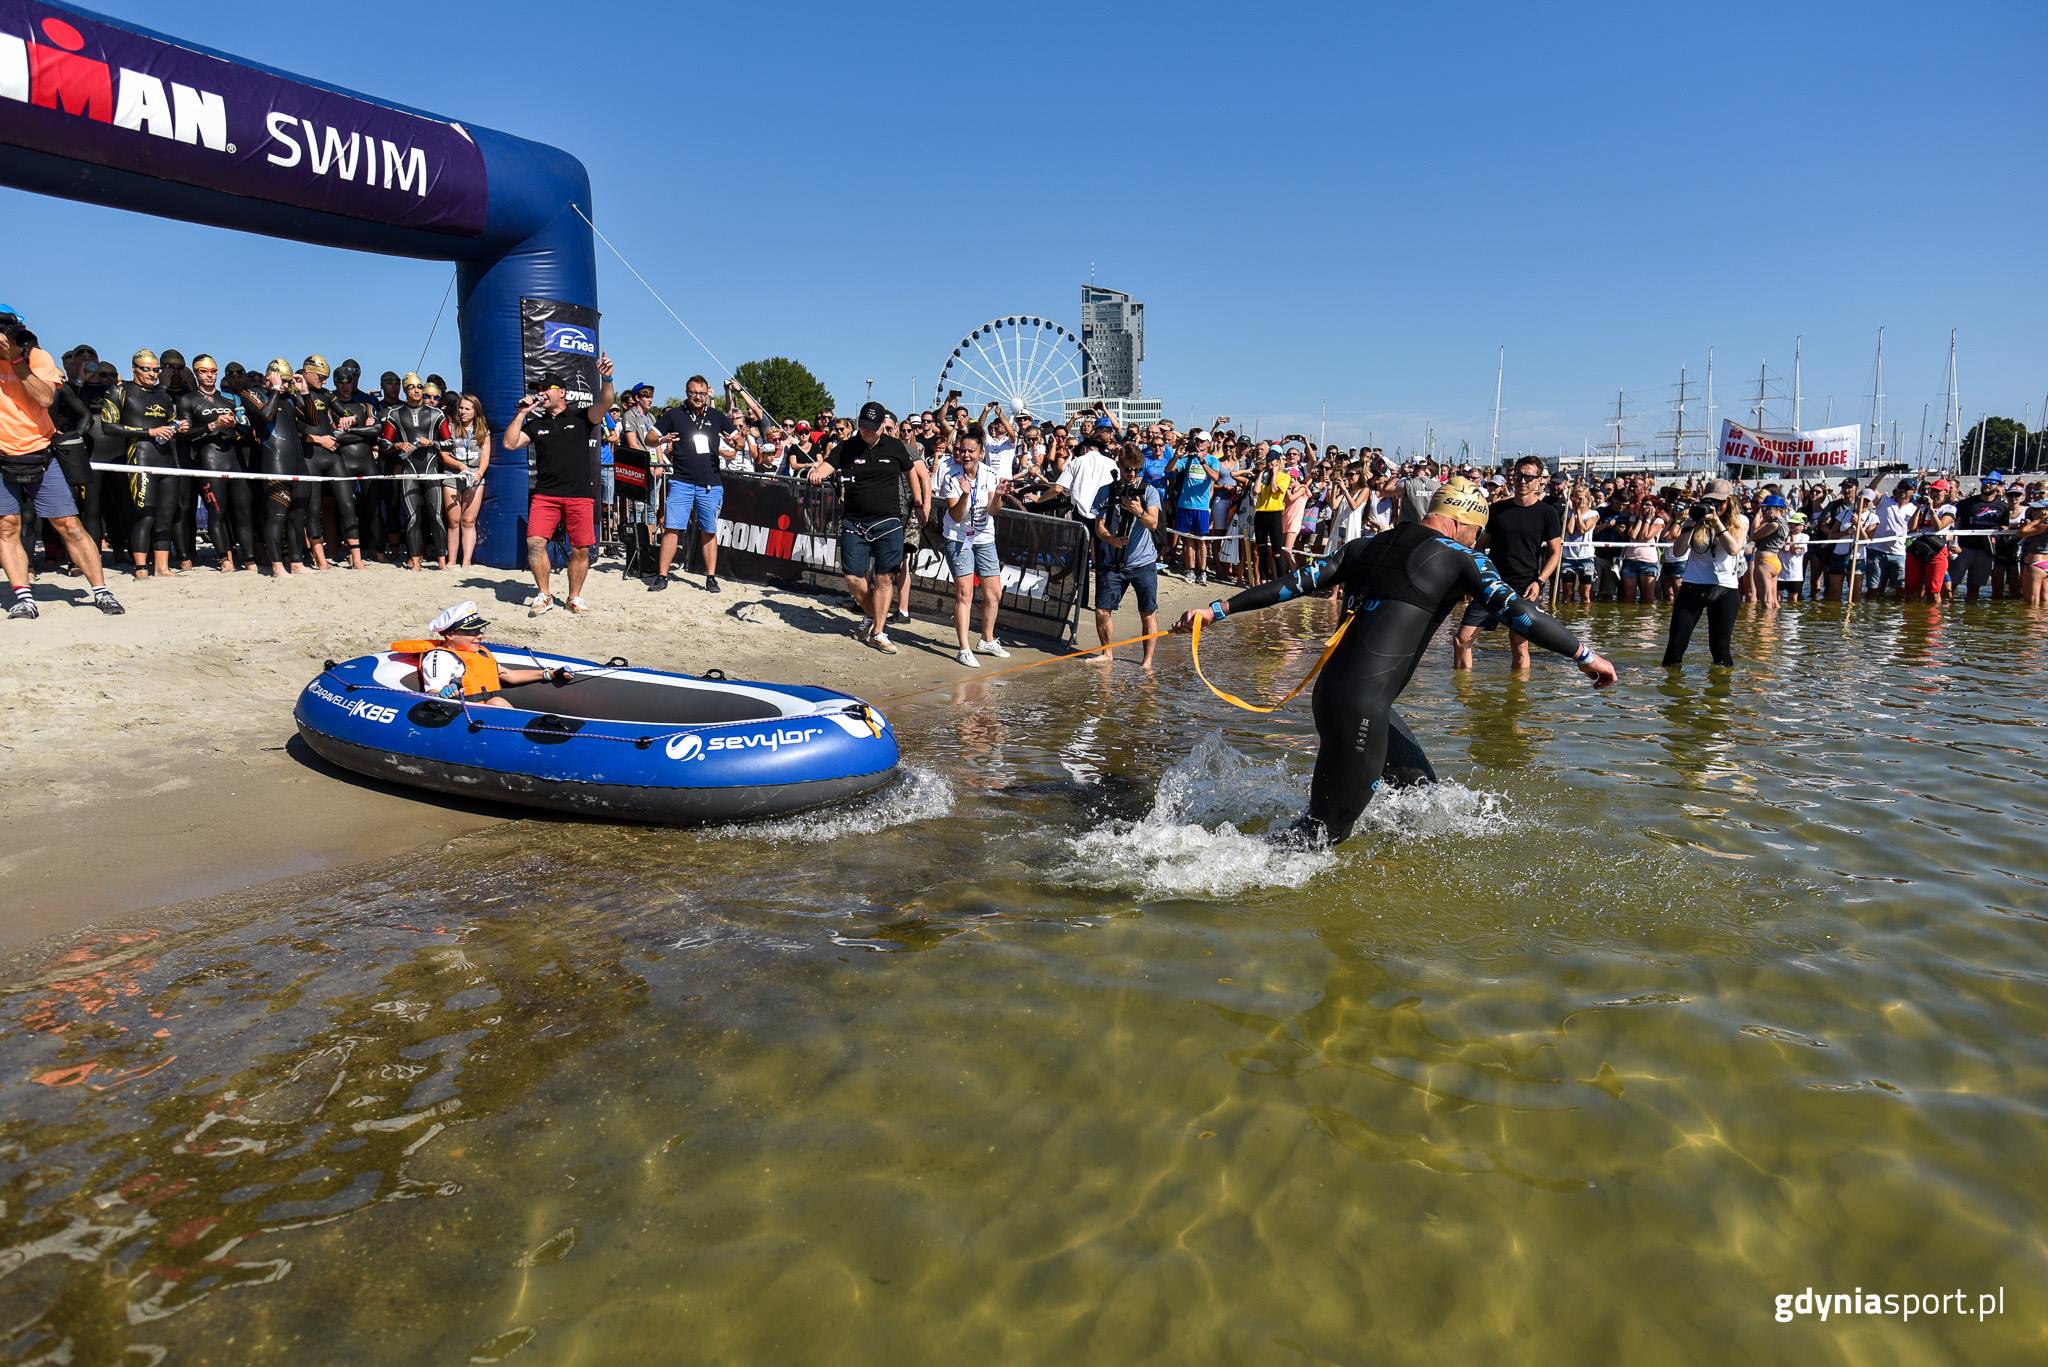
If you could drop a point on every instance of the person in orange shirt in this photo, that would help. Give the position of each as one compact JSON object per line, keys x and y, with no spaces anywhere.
{"x":457,"y":665}
{"x":28,"y":487}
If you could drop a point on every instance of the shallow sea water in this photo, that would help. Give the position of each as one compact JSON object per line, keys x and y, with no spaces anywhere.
{"x":1671,"y":1000}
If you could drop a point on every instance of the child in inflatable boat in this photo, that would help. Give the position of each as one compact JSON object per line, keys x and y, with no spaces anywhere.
{"x":457,"y":665}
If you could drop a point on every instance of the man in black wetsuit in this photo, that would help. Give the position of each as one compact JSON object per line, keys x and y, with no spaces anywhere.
{"x":1399,"y":585}
{"x":356,"y":427}
{"x":317,"y":415}
{"x":214,"y":426}
{"x":417,"y":432}
{"x":144,"y":417}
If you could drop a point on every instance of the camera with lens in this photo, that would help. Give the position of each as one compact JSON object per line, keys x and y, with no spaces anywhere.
{"x":1702,"y":510}
{"x":17,"y":333}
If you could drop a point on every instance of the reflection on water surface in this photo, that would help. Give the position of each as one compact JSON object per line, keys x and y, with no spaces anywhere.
{"x":1671,"y":1001}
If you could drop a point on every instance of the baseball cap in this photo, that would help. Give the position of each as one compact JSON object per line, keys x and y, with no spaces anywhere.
{"x":1104,"y":425}
{"x":461,"y":617}
{"x":1720,"y":488}
{"x":551,"y":382}
{"x":642,"y":388}
{"x":1995,"y":477}
{"x":1796,"y":518}
{"x":802,"y":426}
{"x":872,"y":414}
{"x":1198,"y":434}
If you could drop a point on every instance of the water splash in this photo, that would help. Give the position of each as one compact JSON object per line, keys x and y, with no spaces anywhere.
{"x":1190,"y":844}
{"x":920,"y":795}
{"x":1435,"y":810}
{"x":1205,"y":835}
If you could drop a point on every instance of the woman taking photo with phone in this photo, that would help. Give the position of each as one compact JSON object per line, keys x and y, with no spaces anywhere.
{"x":1712,"y":535}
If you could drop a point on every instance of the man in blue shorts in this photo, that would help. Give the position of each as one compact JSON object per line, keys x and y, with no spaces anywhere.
{"x":1198,"y":472}
{"x":1126,"y":514}
{"x":689,"y":437}
{"x":32,"y":483}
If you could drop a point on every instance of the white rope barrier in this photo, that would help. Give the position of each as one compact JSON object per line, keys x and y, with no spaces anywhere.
{"x":1837,"y":541}
{"x":114,"y":468}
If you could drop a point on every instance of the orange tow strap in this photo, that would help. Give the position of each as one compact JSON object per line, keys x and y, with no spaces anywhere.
{"x":1292,"y":693}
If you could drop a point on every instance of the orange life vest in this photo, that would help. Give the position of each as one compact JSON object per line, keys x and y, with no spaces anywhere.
{"x":479,"y":667}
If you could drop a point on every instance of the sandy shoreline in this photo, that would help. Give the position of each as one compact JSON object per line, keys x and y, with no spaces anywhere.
{"x":151,"y":758}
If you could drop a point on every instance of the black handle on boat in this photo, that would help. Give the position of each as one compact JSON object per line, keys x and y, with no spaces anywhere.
{"x":715,"y":674}
{"x":618,"y":662}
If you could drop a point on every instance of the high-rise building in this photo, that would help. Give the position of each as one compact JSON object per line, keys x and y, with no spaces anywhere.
{"x":1112,"y":343}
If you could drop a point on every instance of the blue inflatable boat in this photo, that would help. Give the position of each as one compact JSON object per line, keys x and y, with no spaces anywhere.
{"x":616,"y":742}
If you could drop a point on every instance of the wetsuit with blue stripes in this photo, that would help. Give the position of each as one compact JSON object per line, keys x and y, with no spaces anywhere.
{"x":1399,"y":586}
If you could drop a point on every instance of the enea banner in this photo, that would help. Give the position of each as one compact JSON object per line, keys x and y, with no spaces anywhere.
{"x":558,"y":341}
{"x":79,"y":86}
{"x":1825,"y":450}
{"x":787,"y":531}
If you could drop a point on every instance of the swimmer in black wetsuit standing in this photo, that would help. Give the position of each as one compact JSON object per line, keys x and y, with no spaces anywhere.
{"x":1400,"y":585}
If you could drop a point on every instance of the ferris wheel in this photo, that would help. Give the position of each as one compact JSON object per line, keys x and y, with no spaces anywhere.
{"x":1028,"y":365}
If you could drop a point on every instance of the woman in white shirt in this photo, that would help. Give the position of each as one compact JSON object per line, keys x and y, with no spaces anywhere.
{"x":1576,"y":572}
{"x":967,"y":491}
{"x":1713,"y":535}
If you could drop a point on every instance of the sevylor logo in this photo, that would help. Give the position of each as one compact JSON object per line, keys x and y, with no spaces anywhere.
{"x":570,"y":338}
{"x":690,"y":745}
{"x":51,"y":71}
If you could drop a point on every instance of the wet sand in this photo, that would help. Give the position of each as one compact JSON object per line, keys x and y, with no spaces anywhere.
{"x":151,"y":758}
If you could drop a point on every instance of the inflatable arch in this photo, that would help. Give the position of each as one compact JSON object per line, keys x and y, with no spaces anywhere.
{"x":98,"y":110}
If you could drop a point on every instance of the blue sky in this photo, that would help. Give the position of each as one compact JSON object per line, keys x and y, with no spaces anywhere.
{"x":1344,"y":205}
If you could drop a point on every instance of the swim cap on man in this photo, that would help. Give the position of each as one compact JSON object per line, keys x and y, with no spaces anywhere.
{"x":317,"y":364}
{"x":143,"y":357}
{"x":1461,"y":500}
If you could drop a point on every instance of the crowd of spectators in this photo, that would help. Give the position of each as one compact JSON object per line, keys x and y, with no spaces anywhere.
{"x":404,"y":465}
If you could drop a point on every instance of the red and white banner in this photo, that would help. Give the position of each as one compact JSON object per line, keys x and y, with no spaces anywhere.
{"x":1823,"y":449}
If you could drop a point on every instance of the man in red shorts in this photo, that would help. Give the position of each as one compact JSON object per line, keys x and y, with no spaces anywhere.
{"x":564,"y":480}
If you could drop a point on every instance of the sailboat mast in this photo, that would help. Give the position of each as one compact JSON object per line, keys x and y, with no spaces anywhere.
{"x":1951,"y":414}
{"x":1798,"y":397}
{"x":1493,"y":445}
{"x":1877,"y":405}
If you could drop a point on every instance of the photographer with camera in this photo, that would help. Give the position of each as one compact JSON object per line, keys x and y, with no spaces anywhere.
{"x":1714,"y":534}
{"x":1126,"y":515}
{"x":28,"y":487}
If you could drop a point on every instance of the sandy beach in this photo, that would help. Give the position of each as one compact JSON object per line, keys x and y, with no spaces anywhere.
{"x":151,"y":758}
